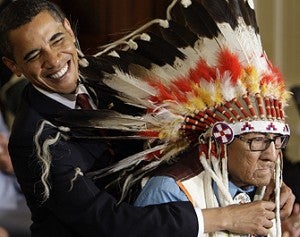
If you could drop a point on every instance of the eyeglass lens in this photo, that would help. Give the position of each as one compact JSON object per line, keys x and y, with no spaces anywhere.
{"x":262,"y":143}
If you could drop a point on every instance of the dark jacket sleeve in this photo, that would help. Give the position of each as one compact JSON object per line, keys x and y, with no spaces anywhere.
{"x":77,"y":207}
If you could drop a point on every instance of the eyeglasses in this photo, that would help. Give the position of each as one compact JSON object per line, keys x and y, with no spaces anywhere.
{"x":263,"y":143}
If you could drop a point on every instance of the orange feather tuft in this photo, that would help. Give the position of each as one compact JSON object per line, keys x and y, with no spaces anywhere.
{"x":202,"y":70}
{"x":267,"y":79}
{"x":183,"y":84}
{"x":164,"y":93}
{"x":230,"y":62}
{"x":148,"y":133}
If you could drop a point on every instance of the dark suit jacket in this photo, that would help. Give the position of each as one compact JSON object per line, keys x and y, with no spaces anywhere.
{"x":85,"y":209}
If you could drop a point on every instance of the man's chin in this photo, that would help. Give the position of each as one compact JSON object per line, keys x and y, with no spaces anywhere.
{"x":262,"y":183}
{"x":66,"y":89}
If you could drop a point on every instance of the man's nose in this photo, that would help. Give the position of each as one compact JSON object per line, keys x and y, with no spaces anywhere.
{"x":51,"y":59}
{"x":271,"y":152}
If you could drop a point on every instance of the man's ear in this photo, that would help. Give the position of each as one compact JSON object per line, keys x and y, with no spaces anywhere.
{"x":12,"y":66}
{"x":68,"y":27}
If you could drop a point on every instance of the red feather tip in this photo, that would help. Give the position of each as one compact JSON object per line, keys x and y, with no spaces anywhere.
{"x":267,"y":79}
{"x":148,"y":133}
{"x":229,"y":62}
{"x":183,"y":84}
{"x":153,"y":156}
{"x":180,"y":89}
{"x":202,"y":71}
{"x":164,"y":93}
{"x":278,"y":75}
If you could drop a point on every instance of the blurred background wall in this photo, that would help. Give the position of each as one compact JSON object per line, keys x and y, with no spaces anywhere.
{"x":279,"y":27}
{"x":102,"y":21}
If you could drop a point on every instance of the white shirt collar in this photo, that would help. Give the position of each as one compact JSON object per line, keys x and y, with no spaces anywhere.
{"x":68,"y":100}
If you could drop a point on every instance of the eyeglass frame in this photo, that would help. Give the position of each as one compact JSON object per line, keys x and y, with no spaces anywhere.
{"x":285,"y":139}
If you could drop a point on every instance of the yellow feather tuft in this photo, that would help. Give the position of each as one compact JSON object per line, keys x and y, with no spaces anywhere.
{"x":286,"y":96}
{"x":250,"y":79}
{"x":196,"y":103}
{"x":218,"y":95}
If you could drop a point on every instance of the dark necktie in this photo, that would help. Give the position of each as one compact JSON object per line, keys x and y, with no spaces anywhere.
{"x":83,"y":101}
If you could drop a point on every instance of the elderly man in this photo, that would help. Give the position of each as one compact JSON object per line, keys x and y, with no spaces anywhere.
{"x":252,"y":158}
{"x":227,"y":115}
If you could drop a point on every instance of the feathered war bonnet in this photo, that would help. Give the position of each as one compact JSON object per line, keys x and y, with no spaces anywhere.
{"x":205,"y":80}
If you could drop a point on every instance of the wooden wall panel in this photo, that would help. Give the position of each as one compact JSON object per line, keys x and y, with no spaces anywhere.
{"x":101,"y":21}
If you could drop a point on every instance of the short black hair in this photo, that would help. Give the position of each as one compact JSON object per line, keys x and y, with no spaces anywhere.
{"x":19,"y":13}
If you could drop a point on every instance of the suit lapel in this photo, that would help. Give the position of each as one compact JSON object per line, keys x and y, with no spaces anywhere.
{"x":42,"y":104}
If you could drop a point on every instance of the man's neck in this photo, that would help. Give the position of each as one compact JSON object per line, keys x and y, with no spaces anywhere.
{"x":68,"y":100}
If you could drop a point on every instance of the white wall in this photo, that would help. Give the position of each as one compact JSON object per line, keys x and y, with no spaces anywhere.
{"x":279,"y":27}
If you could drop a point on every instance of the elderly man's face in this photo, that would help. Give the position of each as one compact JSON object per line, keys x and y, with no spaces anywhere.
{"x":247,"y":167}
{"x":44,"y":52}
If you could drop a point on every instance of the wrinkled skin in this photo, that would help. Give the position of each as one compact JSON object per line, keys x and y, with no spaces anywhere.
{"x":291,"y":225}
{"x":247,"y":168}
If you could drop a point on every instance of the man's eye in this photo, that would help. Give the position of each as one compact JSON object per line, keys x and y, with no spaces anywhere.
{"x":57,"y":40}
{"x":258,"y":139}
{"x":32,"y":57}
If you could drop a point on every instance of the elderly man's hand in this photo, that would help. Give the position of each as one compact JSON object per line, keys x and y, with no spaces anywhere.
{"x":287,"y":199}
{"x":249,"y":218}
{"x":291,"y":225}
{"x":5,"y":161}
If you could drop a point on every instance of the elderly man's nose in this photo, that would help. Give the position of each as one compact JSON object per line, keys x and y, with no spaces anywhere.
{"x":271,"y":151}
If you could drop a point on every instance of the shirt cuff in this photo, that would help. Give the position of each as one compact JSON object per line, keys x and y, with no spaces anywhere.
{"x":200,"y":222}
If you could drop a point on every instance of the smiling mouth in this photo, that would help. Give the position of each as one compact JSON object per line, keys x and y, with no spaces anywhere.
{"x":60,"y":73}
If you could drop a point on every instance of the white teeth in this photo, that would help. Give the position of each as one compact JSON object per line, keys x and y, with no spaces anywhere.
{"x":60,"y":73}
